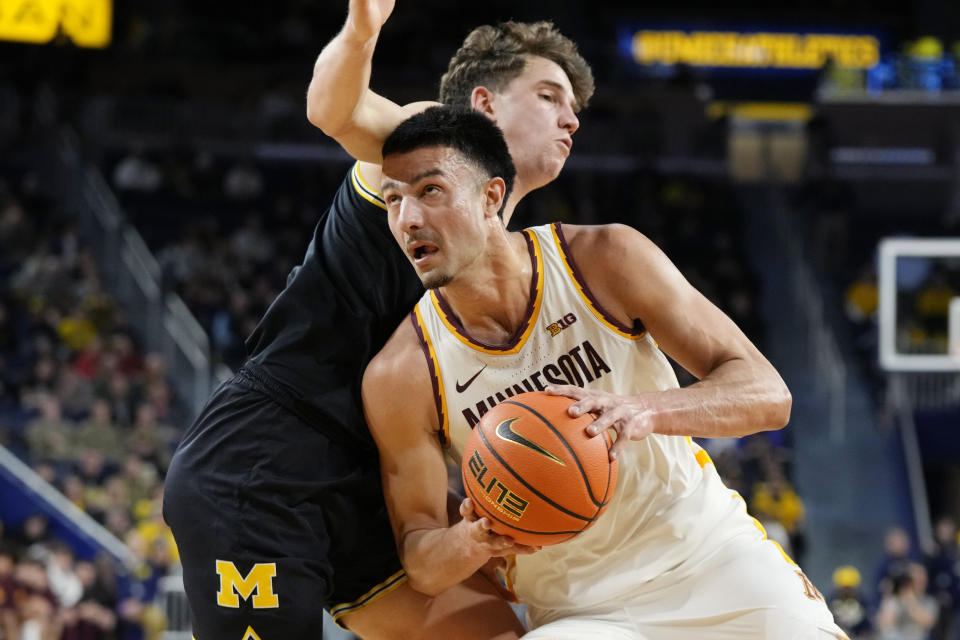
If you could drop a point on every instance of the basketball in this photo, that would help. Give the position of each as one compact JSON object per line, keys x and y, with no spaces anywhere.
{"x":535,"y":473}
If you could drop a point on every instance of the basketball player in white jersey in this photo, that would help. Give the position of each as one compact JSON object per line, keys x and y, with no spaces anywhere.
{"x":675,"y":556}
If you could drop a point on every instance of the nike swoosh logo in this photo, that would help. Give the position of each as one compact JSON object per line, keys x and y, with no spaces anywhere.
{"x":505,"y":432}
{"x":463,"y":387}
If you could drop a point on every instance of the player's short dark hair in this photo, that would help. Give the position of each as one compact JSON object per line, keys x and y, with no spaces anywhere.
{"x":492,"y":56}
{"x":469,"y":132}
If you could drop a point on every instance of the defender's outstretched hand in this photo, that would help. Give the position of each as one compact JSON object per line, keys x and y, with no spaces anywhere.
{"x":629,"y":416}
{"x":367,"y":17}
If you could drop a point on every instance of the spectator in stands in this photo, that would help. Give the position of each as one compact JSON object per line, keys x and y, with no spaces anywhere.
{"x":151,"y":525}
{"x":251,"y":241}
{"x":776,"y":499}
{"x":41,"y":379}
{"x":116,"y":390}
{"x":140,"y":478}
{"x":35,"y":603}
{"x":64,"y":583}
{"x":861,"y":298}
{"x":943,"y":568}
{"x":150,"y":439}
{"x":128,"y":360}
{"x":158,"y":395}
{"x":861,"y":301}
{"x":118,"y":522}
{"x":895,"y":562}
{"x":907,"y":612}
{"x":100,"y":433}
{"x":93,"y":617}
{"x":87,"y":361}
{"x":72,"y":487}
{"x":137,"y":591}
{"x":16,"y":235}
{"x":243,"y":181}
{"x":75,"y":394}
{"x":91,"y":467}
{"x":848,"y":605}
{"x":34,"y":535}
{"x":9,"y":623}
{"x":48,"y":436}
{"x":135,"y":172}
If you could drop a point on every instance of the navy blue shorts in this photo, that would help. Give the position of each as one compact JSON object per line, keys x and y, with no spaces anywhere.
{"x":274,"y":520}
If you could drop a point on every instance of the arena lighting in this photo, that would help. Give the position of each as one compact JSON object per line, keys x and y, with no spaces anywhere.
{"x":752,"y":49}
{"x":87,"y":23}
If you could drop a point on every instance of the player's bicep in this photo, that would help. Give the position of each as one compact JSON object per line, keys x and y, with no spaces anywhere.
{"x":695,"y":332}
{"x":686,"y":325}
{"x":412,"y":466}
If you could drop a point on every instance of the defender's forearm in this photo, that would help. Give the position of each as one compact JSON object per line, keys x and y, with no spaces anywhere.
{"x":340,"y":82}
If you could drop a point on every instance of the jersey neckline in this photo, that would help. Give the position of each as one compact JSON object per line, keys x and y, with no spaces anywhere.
{"x":516,"y":343}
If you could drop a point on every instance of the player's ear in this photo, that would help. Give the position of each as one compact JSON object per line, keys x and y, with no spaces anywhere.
{"x":494,"y":192}
{"x":483,"y":100}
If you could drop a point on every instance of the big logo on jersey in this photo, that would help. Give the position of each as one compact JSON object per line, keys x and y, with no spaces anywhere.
{"x":233,"y":586}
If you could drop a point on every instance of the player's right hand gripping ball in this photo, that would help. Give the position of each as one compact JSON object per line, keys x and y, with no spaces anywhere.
{"x":535,"y":473}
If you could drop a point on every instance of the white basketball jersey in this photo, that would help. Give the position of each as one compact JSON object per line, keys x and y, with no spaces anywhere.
{"x":669,"y":505}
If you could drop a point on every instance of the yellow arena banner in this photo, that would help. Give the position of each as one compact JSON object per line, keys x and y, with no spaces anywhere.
{"x":86,"y":22}
{"x":754,"y":50}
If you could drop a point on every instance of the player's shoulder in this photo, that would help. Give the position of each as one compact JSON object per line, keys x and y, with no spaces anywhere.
{"x":602,"y":241}
{"x":400,"y":365}
{"x":397,"y":390}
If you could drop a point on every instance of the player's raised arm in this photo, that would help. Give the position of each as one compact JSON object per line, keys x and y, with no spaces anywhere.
{"x":739,"y":392}
{"x":400,"y":410}
{"x":339,"y":100}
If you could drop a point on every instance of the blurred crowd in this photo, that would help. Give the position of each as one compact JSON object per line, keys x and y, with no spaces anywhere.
{"x":922,"y":64}
{"x":911,"y":595}
{"x":92,"y":415}
{"x":226,"y":232}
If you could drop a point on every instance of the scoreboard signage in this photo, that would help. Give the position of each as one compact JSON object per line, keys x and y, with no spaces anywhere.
{"x":753,"y":49}
{"x":87,"y":23}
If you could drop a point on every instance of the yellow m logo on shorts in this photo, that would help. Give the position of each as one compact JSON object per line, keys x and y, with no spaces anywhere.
{"x":233,"y":586}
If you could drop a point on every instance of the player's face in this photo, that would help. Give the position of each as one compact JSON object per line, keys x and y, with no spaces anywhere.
{"x":435,"y":205}
{"x":535,"y":112}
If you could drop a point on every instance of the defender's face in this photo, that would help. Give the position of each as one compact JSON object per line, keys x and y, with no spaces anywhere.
{"x":536,"y":114}
{"x":435,"y":207}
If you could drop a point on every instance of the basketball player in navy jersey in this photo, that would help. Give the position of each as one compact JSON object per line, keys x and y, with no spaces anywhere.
{"x":274,"y":494}
{"x":675,"y":556}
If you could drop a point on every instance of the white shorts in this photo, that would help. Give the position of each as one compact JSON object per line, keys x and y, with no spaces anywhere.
{"x":748,"y":590}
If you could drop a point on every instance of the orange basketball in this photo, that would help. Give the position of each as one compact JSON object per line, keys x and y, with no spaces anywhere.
{"x":534,"y":472}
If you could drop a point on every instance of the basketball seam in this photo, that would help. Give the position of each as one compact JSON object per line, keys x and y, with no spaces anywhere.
{"x":473,"y":497}
{"x":507,"y":467}
{"x":583,"y":473}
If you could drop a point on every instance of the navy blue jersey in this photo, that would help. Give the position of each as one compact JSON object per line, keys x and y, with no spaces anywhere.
{"x":337,"y":311}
